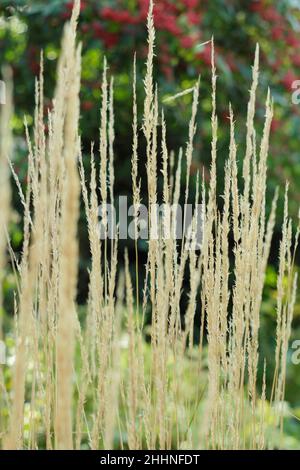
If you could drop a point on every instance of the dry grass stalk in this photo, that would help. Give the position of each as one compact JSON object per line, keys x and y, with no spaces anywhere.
{"x":150,"y":402}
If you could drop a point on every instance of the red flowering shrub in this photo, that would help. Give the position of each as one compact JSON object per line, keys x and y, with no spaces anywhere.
{"x":288,"y":79}
{"x":183,"y":51}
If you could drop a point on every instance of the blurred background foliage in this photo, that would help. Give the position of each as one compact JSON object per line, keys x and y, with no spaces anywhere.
{"x":116,"y":28}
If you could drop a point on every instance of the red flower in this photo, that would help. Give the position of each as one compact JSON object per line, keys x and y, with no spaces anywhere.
{"x":277,"y":32}
{"x":275,"y":124}
{"x":193,"y":17}
{"x":144,"y":5}
{"x":190,"y":3}
{"x":187,"y":42}
{"x":296,"y":60}
{"x":270,"y":14}
{"x":98,"y":29}
{"x":110,"y":39}
{"x":122,"y":16}
{"x":256,"y":6}
{"x":288,"y":80}
{"x":107,"y":13}
{"x":166,"y":22}
{"x":65,"y":15}
{"x":292,"y":40}
{"x":85,"y":27}
{"x":87,"y":105}
{"x":173,"y":8}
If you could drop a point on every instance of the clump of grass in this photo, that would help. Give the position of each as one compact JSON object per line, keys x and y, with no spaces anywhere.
{"x":157,"y":395}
